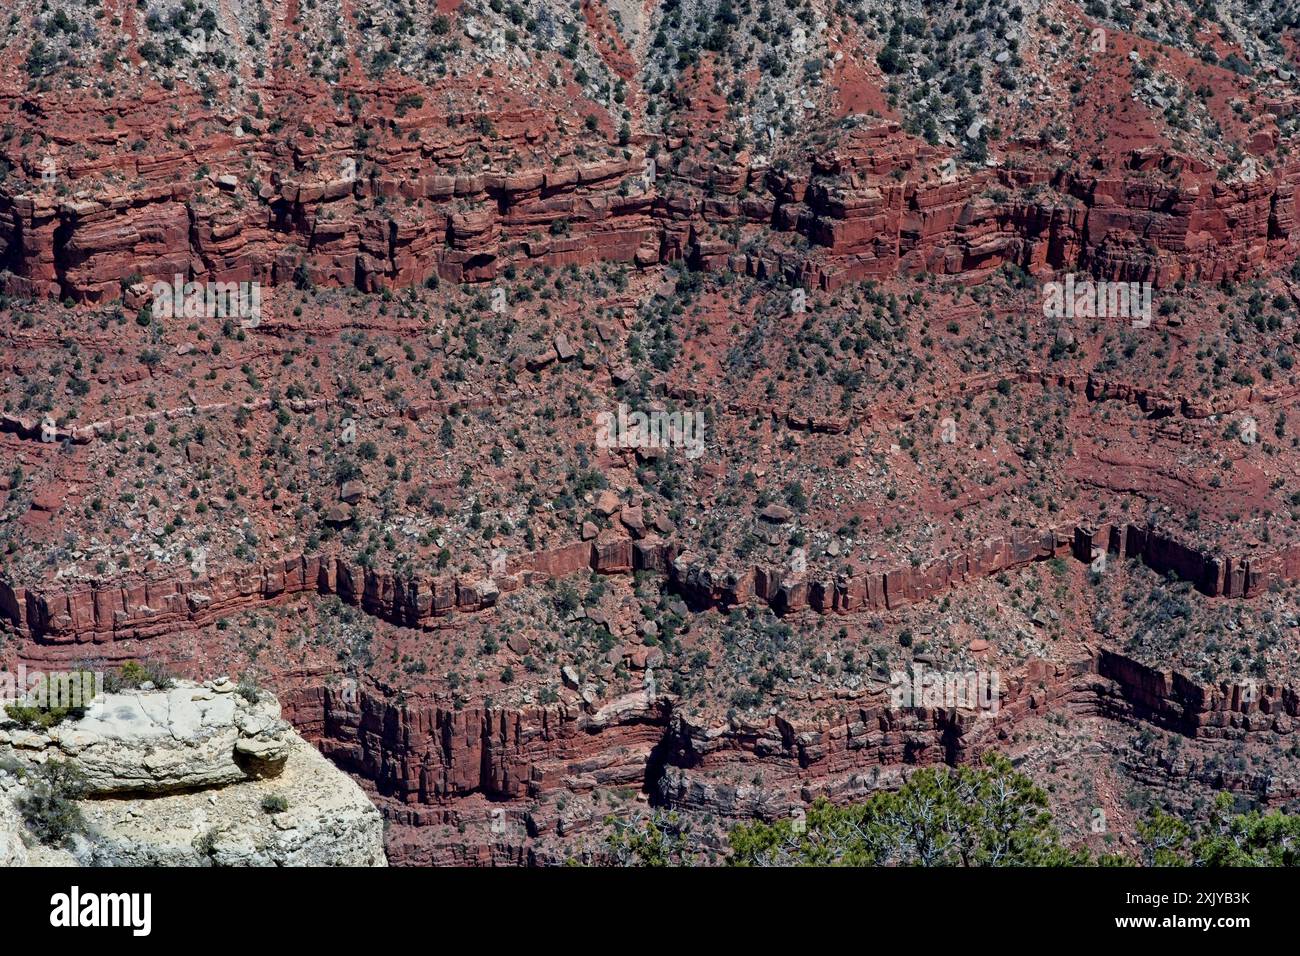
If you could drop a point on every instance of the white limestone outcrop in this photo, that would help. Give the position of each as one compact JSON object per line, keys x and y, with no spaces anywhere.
{"x":197,"y":774}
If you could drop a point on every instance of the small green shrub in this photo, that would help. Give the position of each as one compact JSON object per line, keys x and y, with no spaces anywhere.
{"x":132,"y":675}
{"x":274,"y":803}
{"x":248,"y":689}
{"x":32,"y":717}
{"x":49,"y":805}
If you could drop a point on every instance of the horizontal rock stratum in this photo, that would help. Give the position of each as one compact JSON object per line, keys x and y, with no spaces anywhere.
{"x":574,"y":411}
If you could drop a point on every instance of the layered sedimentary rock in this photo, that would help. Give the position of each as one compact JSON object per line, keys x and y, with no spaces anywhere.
{"x":432,"y":764}
{"x":855,"y":745}
{"x":327,"y":230}
{"x":1232,"y":575}
{"x":422,"y":754}
{"x":1176,"y":701}
{"x":149,"y":609}
{"x":877,"y":204}
{"x":881,"y":203}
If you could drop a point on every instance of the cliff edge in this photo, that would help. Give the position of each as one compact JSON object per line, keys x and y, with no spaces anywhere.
{"x":192,"y":775}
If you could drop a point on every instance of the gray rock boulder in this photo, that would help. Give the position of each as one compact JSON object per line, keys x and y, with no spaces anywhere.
{"x":195,"y":775}
{"x":156,"y":741}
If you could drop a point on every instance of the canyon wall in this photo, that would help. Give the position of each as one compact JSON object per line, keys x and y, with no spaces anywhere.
{"x":102,"y":614}
{"x":243,"y":201}
{"x":1158,"y":218}
{"x":430,"y":765}
{"x":1232,"y":575}
{"x":870,"y":207}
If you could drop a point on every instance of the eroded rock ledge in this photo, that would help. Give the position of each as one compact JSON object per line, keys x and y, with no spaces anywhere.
{"x":145,"y":609}
{"x":197,"y":774}
{"x":484,"y":784}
